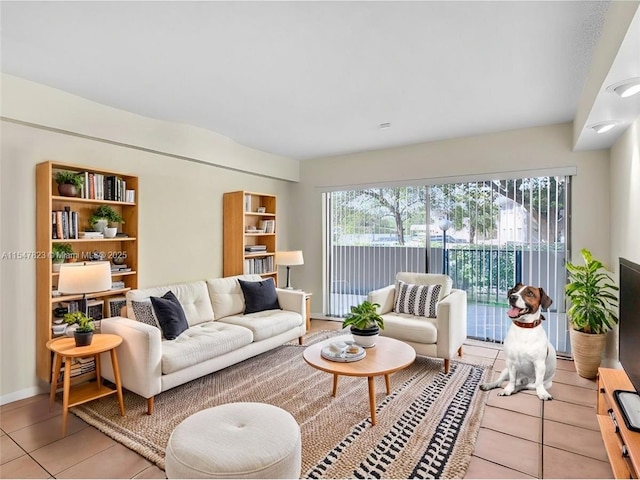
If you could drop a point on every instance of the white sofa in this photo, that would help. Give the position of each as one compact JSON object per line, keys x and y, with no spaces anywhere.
{"x":219,"y":334}
{"x":440,"y":337}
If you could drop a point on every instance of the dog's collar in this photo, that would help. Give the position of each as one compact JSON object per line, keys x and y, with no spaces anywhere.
{"x":533,"y":324}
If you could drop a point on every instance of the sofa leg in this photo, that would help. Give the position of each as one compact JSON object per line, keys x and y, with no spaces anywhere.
{"x":149,"y":406}
{"x":446,"y":365}
{"x":300,"y":340}
{"x":460,"y":351}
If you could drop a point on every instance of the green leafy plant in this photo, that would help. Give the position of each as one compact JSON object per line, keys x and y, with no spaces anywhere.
{"x":85,"y":324}
{"x":364,"y":316}
{"x":105,"y":212}
{"x":591,"y":292}
{"x":61,"y":252}
{"x":71,"y":178}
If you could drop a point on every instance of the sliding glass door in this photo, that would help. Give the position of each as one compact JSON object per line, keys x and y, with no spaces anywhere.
{"x":486,"y":235}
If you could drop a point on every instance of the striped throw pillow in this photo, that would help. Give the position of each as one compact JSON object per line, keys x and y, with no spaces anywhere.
{"x":420,"y":300}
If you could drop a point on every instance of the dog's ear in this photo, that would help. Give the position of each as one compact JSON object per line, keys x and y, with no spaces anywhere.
{"x":545,"y":300}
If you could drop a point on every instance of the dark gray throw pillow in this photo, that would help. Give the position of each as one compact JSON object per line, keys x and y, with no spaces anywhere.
{"x":259,"y":296}
{"x":170,"y":315}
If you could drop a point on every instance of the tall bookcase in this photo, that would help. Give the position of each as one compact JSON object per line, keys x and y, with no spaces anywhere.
{"x":126,"y":244}
{"x":250,"y":224}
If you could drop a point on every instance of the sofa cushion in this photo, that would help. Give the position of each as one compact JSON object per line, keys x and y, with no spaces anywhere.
{"x":170,"y":315}
{"x":143,"y":312}
{"x":202,"y":342}
{"x":420,"y":300}
{"x":410,"y":328}
{"x":428,"y":279}
{"x":226,"y":295}
{"x":193,"y":297}
{"x":266,"y":324}
{"x":259,"y":296}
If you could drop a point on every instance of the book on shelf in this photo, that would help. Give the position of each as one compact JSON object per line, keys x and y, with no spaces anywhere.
{"x":255,"y":248}
{"x":247,"y":202}
{"x":269,"y":226}
{"x":117,"y":285}
{"x":64,"y":224}
{"x":91,"y":235}
{"x":258,"y":265}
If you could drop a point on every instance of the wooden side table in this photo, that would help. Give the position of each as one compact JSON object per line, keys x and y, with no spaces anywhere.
{"x":65,"y":348}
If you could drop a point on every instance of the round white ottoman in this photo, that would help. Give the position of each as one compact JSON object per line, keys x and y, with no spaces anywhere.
{"x":236,"y":440}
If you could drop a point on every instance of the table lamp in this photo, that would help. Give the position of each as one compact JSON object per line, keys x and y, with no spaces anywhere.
{"x":84,"y":277}
{"x":289,"y":259}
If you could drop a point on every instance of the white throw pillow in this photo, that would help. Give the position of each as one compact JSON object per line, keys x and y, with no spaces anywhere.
{"x":419,"y":300}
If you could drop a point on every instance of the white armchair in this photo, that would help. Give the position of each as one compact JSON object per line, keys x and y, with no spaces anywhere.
{"x":441,"y":336}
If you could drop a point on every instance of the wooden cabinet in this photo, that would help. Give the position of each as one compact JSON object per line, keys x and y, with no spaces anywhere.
{"x":48,"y":202}
{"x":250,"y":230}
{"x":622,"y":444}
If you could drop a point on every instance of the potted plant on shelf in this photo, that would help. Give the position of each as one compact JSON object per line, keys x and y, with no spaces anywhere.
{"x":60,"y":252}
{"x":83,"y":333}
{"x":365,"y":323}
{"x":104,"y":216}
{"x":69,"y":183}
{"x":591,"y":314}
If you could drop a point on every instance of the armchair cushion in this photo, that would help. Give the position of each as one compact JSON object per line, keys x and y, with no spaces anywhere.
{"x":419,"y":300}
{"x":427,"y":279}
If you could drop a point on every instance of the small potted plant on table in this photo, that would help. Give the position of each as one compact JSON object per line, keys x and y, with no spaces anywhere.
{"x":365,"y":323}
{"x":83,"y":333}
{"x":591,"y":315}
{"x":69,"y":183}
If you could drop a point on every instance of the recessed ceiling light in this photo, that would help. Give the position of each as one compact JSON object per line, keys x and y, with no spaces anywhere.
{"x":385,"y":125}
{"x":626,"y":88}
{"x":603,"y":127}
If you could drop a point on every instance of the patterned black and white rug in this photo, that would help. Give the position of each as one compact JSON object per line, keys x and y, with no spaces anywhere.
{"x":426,"y":427}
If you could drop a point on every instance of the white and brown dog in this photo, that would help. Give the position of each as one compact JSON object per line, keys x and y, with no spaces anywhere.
{"x":530,"y":358}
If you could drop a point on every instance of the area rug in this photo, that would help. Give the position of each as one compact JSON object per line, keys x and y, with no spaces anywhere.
{"x":426,"y":427}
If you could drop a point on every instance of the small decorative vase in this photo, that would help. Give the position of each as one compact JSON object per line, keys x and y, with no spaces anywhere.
{"x":366,"y":337}
{"x":101,"y":225}
{"x":55,"y":266}
{"x":110,"y":232}
{"x":67,"y":190}
{"x":83,"y":338}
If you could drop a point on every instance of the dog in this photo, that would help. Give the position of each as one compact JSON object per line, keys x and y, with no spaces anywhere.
{"x":530,"y":358}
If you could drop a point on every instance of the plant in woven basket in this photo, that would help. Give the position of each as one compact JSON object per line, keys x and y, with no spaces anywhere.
{"x":592,"y":312}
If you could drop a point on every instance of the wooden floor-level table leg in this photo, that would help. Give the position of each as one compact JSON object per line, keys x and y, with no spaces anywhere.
{"x":66,"y":386}
{"x":116,"y":374}
{"x":335,"y":385}
{"x":55,"y":373}
{"x":372,"y":399}
{"x":387,"y":383}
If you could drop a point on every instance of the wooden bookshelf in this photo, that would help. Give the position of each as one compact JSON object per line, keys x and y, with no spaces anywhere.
{"x":242,"y":228}
{"x":47,"y":201}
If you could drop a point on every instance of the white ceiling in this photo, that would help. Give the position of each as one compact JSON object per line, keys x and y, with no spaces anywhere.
{"x":312,"y":79}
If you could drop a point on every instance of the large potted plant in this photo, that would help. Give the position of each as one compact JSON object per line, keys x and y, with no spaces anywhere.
{"x":592,"y":312}
{"x":83,"y":332}
{"x":103,"y":216}
{"x":365,"y":323}
{"x":69,"y":183}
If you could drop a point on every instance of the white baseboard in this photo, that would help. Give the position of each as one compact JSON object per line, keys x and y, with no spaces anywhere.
{"x":21,"y":394}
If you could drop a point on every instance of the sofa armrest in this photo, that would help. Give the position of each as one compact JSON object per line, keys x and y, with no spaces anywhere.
{"x":384,"y":297}
{"x":452,"y":323}
{"x":139,"y":355}
{"x":293,"y":301}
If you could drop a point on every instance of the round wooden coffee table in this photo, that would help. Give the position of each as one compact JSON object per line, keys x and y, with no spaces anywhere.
{"x":387,"y":356}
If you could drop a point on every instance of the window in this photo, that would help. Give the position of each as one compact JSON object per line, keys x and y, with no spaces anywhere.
{"x":486,"y":235}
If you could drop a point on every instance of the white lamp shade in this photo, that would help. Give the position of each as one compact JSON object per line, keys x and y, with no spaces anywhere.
{"x":84,"y":277}
{"x":293,"y":257}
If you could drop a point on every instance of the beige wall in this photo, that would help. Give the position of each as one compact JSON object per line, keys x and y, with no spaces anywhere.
{"x":625,"y":210}
{"x":180,"y":239}
{"x":506,"y":152}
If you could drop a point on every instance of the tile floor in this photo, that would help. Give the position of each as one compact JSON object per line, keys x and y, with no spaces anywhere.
{"x":520,"y":437}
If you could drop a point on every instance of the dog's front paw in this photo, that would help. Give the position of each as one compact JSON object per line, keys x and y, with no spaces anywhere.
{"x":545,"y":396}
{"x":505,"y":393}
{"x":487,"y":386}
